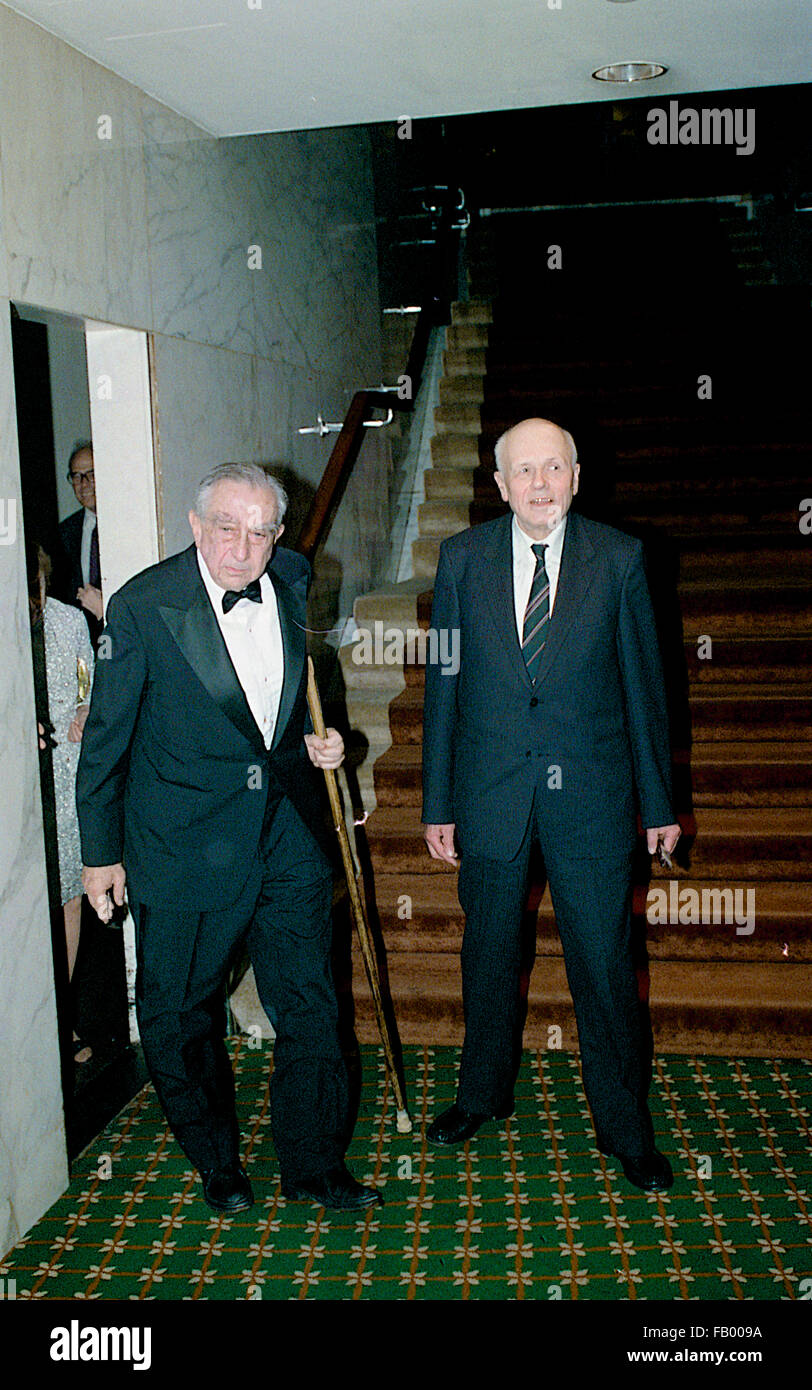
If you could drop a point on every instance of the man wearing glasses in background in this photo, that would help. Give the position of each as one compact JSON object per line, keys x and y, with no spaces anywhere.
{"x":80,"y":540}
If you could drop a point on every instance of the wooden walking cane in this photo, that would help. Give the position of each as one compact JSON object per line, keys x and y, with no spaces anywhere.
{"x":404,"y":1123}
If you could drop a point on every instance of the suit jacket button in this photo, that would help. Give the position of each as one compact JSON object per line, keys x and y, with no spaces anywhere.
{"x":534,"y":701}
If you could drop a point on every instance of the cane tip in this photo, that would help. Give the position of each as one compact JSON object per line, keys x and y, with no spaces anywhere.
{"x":404,"y":1124}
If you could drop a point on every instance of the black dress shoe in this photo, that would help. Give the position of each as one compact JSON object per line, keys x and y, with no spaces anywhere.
{"x":337,"y":1189}
{"x":227,"y":1189}
{"x":652,"y":1172}
{"x":455,"y":1125}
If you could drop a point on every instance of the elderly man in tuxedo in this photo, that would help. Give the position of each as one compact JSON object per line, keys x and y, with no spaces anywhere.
{"x":198,"y":784}
{"x":554,"y":730}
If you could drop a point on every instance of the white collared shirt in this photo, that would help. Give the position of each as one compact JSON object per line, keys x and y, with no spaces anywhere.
{"x":253,"y":636}
{"x":524,"y":566}
{"x":88,"y":527}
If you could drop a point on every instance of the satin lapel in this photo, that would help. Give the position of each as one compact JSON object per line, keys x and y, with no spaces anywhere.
{"x":294,"y":648}
{"x":574,"y":582}
{"x":499,"y":563}
{"x":197,"y":633}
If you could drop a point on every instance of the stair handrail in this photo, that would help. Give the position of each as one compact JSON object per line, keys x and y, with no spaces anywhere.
{"x":446,"y":220}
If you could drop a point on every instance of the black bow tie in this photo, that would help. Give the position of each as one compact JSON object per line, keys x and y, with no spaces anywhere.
{"x":251,"y":591}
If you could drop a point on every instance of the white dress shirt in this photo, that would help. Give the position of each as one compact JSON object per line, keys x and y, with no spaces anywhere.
{"x":88,"y":527}
{"x":524,"y":567}
{"x":253,"y":636}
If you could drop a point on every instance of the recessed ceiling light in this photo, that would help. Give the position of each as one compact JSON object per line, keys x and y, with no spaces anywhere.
{"x":629,"y":72}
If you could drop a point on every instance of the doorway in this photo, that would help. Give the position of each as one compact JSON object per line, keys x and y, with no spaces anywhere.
{"x":82,"y":391}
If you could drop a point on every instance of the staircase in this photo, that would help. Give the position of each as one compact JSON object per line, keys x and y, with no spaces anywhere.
{"x":691,"y":435}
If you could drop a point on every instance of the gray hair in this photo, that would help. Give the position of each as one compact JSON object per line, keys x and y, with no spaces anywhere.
{"x":253,"y":474}
{"x":499,"y":449}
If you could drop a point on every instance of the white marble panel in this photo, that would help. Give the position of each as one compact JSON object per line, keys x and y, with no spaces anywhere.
{"x":207,"y":414}
{"x":74,"y":202}
{"x":290,"y":396}
{"x":200,"y":231}
{"x":316,"y":298}
{"x":33,"y":1164}
{"x":120,"y":189}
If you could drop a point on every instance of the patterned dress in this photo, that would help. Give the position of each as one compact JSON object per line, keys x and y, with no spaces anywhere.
{"x":66,"y":640}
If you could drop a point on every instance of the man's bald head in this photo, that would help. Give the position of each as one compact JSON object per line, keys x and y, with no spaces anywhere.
{"x":537,"y":474}
{"x":499,"y":446}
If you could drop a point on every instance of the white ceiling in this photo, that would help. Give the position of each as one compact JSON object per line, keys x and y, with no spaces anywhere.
{"x":244,"y":66}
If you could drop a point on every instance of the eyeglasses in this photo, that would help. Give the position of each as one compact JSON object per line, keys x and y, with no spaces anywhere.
{"x":79,"y":478}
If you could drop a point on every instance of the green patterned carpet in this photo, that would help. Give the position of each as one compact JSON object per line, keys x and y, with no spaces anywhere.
{"x":528,"y":1210}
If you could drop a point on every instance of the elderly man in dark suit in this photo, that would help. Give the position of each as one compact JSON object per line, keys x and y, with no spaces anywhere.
{"x":553,"y":730}
{"x":198,"y":783}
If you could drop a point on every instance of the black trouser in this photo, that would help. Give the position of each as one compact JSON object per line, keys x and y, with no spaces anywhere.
{"x":183,"y":962}
{"x":592,"y":900}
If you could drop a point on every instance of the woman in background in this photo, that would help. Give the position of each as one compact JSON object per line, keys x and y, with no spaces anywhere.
{"x":69,"y":675}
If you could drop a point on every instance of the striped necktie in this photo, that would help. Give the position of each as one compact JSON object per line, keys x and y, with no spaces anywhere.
{"x":537,"y":615}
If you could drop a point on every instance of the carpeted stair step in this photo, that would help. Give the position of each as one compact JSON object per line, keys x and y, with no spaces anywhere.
{"x":466,"y":335}
{"x":458,"y":417}
{"x":425,"y":554}
{"x":459,"y":361}
{"x":455,"y":451}
{"x":421,"y":912}
{"x":780,"y":660}
{"x":782,"y":563}
{"x":461,"y":390}
{"x":448,"y":484}
{"x":443,"y":517}
{"x":771,"y":611}
{"x":749,"y":1009}
{"x":719,"y":716}
{"x":751,"y":773}
{"x":472,"y":310}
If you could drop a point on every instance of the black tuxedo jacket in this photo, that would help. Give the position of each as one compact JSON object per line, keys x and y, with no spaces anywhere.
{"x":590,"y":733}
{"x":174,"y":776}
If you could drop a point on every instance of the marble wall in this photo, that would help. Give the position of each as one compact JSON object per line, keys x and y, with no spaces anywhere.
{"x":33,"y":1166}
{"x":253,"y":263}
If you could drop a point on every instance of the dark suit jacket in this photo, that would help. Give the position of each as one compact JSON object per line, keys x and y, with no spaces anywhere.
{"x":70,"y":535}
{"x":168,"y":772}
{"x":67,"y":576}
{"x":597,"y":711}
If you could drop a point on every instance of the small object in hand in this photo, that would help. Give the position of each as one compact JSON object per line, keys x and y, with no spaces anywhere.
{"x":664,"y":857}
{"x":83,"y":681}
